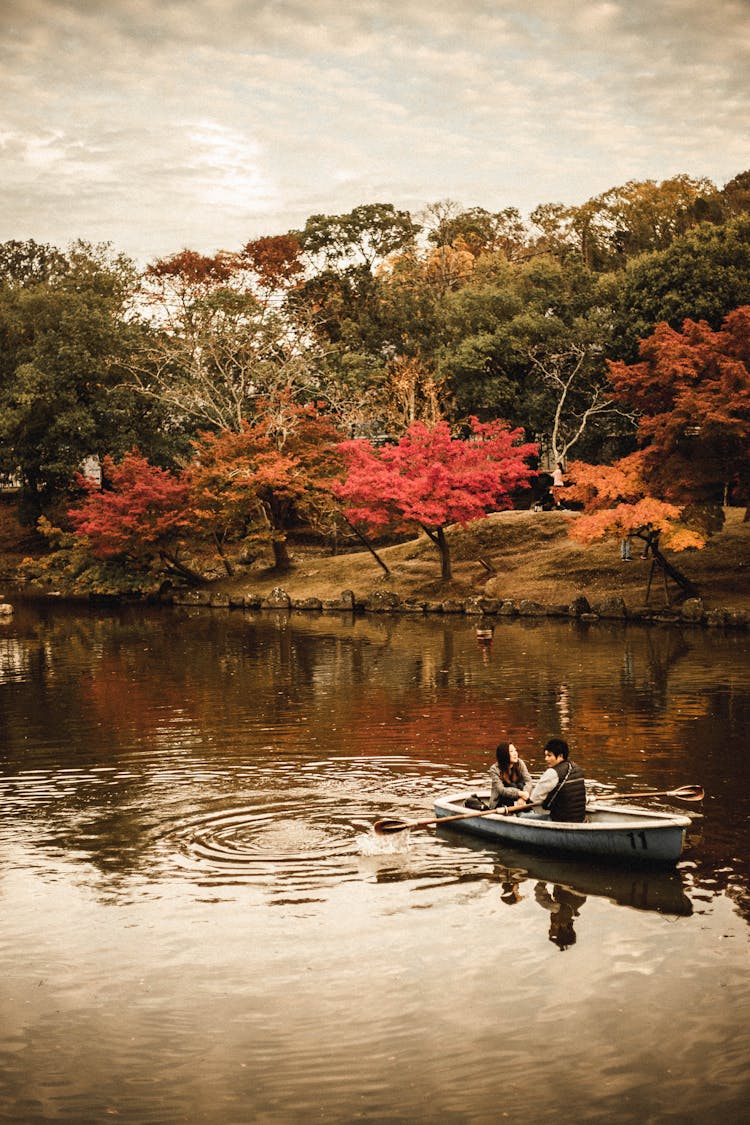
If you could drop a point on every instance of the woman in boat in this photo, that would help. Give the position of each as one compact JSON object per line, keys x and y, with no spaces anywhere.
{"x":509,"y":777}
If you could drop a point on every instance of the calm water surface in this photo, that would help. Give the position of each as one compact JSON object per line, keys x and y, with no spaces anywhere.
{"x":198,"y":925}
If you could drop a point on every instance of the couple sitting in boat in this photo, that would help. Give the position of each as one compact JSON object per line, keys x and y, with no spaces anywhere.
{"x":560,"y":790}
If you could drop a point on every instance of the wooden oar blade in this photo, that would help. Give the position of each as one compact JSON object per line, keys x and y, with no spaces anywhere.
{"x":689,"y":793}
{"x":389,"y":825}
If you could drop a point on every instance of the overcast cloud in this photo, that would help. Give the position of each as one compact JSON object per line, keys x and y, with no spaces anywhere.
{"x":205,"y":123}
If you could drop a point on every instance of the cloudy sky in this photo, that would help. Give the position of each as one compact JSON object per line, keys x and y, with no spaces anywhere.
{"x":160,"y":124}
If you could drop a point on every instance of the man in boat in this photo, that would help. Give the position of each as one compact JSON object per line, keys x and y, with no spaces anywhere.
{"x":561,"y":788}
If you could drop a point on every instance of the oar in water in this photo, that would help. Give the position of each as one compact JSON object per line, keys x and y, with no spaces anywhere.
{"x":389,"y":825}
{"x":684,"y":793}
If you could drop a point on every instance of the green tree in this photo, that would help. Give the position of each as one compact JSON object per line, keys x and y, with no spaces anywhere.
{"x":530,"y":341}
{"x":480,"y":231}
{"x":734,"y":197}
{"x":631,"y":219}
{"x":702,"y":275}
{"x":365,"y":236}
{"x":347,"y":257}
{"x":65,"y":337}
{"x":28,"y":263}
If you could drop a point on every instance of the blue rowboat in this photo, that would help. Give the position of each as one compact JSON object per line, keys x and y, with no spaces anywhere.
{"x":625,"y":833}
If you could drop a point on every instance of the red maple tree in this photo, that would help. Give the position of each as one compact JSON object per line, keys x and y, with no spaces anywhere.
{"x":432,"y":479}
{"x":141,"y":514}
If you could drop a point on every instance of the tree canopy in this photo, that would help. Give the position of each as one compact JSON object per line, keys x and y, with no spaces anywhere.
{"x":691,"y":390}
{"x":563,"y":322}
{"x":432,"y":479}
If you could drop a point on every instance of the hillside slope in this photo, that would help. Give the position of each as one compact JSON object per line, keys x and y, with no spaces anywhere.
{"x":532,"y":557}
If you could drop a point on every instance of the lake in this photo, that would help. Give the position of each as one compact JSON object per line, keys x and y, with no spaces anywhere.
{"x":199,"y":925}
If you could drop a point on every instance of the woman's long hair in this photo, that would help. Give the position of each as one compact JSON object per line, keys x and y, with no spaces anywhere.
{"x":509,"y":771}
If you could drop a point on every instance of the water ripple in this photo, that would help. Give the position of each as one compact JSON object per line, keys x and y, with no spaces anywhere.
{"x":305,"y":846}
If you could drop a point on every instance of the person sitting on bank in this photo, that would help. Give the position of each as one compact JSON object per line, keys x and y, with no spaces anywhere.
{"x":509,"y":777}
{"x":561,"y":788}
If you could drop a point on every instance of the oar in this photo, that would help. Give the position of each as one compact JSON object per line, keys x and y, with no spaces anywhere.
{"x":390,"y":825}
{"x":684,"y":793}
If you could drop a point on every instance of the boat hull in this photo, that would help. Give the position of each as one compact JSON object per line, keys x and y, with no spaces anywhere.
{"x":622,"y":833}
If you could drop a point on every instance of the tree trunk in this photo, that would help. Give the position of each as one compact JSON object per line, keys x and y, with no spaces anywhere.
{"x":173,"y":564}
{"x":367,"y":543}
{"x":438,"y":538}
{"x":680,"y":580}
{"x":281,"y":559}
{"x":446,"y":572}
{"x":220,"y":551}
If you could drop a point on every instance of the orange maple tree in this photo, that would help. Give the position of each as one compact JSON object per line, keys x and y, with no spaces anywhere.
{"x":691,"y":390}
{"x":252,"y":482}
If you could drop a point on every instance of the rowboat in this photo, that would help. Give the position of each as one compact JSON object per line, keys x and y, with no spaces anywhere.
{"x":612,"y":832}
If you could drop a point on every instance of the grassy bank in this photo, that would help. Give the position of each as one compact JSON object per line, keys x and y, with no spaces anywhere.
{"x":516,"y":555}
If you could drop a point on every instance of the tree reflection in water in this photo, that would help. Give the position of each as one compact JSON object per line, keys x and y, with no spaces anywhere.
{"x":190,"y":928}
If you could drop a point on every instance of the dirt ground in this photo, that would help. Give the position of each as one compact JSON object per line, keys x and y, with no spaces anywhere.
{"x":523,"y":554}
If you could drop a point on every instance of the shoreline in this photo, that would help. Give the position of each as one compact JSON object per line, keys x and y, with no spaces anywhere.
{"x":510,"y":564}
{"x":484,"y":612}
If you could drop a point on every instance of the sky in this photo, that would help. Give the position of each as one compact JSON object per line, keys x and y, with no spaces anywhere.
{"x":157,"y":125}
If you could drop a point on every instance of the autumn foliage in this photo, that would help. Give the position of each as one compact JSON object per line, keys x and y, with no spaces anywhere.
{"x":617,"y":502}
{"x":692,"y":393}
{"x":432,"y":479}
{"x":281,"y":464}
{"x":140,"y":515}
{"x":691,"y":390}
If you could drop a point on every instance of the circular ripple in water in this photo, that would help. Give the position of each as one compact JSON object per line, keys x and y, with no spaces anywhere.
{"x":293,"y":849}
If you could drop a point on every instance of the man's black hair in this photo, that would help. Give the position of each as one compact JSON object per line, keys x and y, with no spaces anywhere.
{"x":558,"y":747}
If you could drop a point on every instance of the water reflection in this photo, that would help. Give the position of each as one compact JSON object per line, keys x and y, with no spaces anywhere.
{"x":562,"y":886}
{"x":112,"y":723}
{"x":563,"y":905}
{"x":199,"y":922}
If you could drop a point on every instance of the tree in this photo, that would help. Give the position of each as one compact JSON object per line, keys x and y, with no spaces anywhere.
{"x":580,"y":390}
{"x":140,"y":515}
{"x":479,"y":230}
{"x":229,"y":331}
{"x":29,"y":263}
{"x":431,"y":479}
{"x":692,"y":393}
{"x":256,"y":480}
{"x":275,"y":261}
{"x":734,"y":197}
{"x":618,"y":502}
{"x":65,"y":337}
{"x":348,"y":257}
{"x":410,"y":393}
{"x":530,"y":341}
{"x":363,"y":237}
{"x":691,"y":390}
{"x":703,"y":275}
{"x":634,"y":218}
